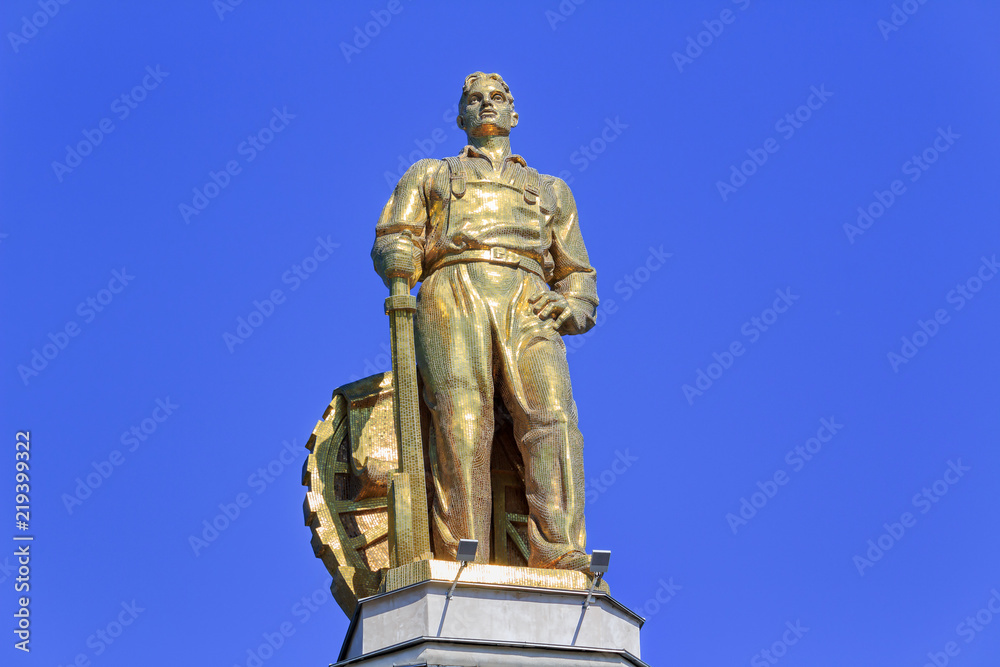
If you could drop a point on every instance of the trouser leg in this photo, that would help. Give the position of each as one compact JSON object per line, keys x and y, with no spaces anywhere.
{"x":536,"y":389}
{"x":454,"y":355}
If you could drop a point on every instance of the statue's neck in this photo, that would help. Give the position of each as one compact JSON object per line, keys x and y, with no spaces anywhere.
{"x":496,"y":146}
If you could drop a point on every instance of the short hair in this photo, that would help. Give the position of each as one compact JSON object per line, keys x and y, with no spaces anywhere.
{"x":476,"y":76}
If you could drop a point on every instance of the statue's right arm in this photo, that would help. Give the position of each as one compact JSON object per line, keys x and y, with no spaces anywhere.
{"x":402,"y":227}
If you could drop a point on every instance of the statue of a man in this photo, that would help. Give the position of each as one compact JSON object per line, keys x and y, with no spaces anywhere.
{"x":505,"y":274}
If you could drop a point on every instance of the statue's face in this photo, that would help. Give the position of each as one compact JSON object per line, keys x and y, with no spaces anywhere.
{"x":488,"y":110}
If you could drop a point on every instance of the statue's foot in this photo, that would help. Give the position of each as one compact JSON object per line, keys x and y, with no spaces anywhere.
{"x":575,"y":560}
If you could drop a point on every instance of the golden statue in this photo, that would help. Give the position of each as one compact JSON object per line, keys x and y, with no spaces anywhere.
{"x":493,"y":451}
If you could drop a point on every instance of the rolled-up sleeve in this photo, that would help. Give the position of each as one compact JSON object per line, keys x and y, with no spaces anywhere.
{"x":572,"y":275}
{"x":405,"y":212}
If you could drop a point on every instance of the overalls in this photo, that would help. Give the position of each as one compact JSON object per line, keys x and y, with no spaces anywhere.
{"x":477,"y":334}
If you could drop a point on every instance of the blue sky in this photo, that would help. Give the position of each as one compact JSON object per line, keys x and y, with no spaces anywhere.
{"x":792,"y":208}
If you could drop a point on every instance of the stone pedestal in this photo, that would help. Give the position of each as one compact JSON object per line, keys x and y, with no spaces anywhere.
{"x":490,"y":625}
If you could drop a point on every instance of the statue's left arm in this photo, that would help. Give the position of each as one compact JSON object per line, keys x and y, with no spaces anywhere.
{"x":572,"y":275}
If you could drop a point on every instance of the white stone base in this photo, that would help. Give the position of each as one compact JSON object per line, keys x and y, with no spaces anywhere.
{"x":485,"y":625}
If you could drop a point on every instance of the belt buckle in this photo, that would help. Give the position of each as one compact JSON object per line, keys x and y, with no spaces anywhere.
{"x":499,"y":254}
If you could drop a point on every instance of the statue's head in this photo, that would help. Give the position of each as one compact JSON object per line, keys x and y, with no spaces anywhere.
{"x":486,"y":106}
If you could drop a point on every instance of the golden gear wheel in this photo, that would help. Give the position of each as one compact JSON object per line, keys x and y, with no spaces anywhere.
{"x":352,"y":451}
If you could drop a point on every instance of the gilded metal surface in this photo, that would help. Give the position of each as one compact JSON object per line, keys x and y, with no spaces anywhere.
{"x":352,"y":455}
{"x":409,"y":534}
{"x":348,"y":471}
{"x":477,"y":573}
{"x":506,"y":524}
{"x":372,"y":430}
{"x":504,"y":275}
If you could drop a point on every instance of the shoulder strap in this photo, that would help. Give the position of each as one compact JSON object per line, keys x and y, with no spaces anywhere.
{"x":531,"y":186}
{"x":457,"y":170}
{"x":547,"y":196}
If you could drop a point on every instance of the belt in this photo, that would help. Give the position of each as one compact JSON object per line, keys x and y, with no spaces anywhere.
{"x":502,"y":256}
